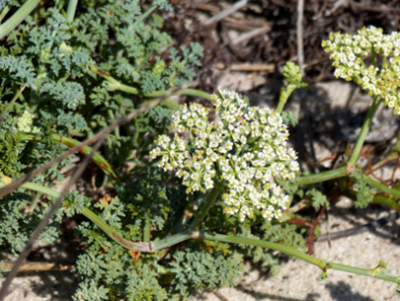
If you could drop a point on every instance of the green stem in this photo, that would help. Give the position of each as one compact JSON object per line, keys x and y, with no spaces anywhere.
{"x":17,"y":17}
{"x":204,"y":208}
{"x":141,"y":247}
{"x":112,"y":117}
{"x":378,"y":198}
{"x":264,"y":244}
{"x":116,"y":85}
{"x":373,"y":56}
{"x":382,"y":200}
{"x":11,"y":103}
{"x":187,"y":92}
{"x":381,"y":187}
{"x":364,"y":130}
{"x":34,"y":201}
{"x":300,"y":205}
{"x":375,"y":273}
{"x":145,"y":15}
{"x":168,"y":102}
{"x":280,"y":106}
{"x":4,"y":12}
{"x":384,"y":65}
{"x":97,"y":158}
{"x":284,"y":95}
{"x":72,"y":4}
{"x":146,"y":228}
{"x":171,"y":240}
{"x":41,"y":189}
{"x":321,"y":177}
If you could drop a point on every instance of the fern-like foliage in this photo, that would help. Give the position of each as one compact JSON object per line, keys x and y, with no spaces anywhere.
{"x":197,"y":270}
{"x":364,"y":192}
{"x":317,"y":198}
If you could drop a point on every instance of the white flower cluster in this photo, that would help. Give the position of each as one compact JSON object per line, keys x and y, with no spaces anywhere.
{"x":244,"y":153}
{"x":348,"y":51}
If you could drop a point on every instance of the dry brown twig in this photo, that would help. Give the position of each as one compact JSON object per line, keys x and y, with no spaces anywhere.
{"x":310,"y":239}
{"x":38,"y":266}
{"x":246,"y":67}
{"x":220,"y":16}
{"x":251,"y":34}
{"x":299,"y":25}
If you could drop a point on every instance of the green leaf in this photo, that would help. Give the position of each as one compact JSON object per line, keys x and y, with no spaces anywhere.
{"x":317,"y":198}
{"x":364,"y":193}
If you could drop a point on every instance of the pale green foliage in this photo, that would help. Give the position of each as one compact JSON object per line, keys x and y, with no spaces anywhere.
{"x":293,"y":76}
{"x":364,"y":193}
{"x":317,"y":198}
{"x":4,"y":3}
{"x":199,"y":270}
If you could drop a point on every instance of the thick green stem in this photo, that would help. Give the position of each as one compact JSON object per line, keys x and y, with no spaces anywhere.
{"x":18,"y":17}
{"x":377,"y":199}
{"x":204,"y":208}
{"x":375,"y":273}
{"x":280,"y":106}
{"x":264,"y":244}
{"x":300,"y":205}
{"x":187,"y":92}
{"x":171,"y":240}
{"x":364,"y":130}
{"x":381,"y":187}
{"x":35,"y":187}
{"x":146,"y":231}
{"x":382,"y":200}
{"x":72,"y":4}
{"x":116,"y":85}
{"x":141,"y":247}
{"x":169,"y":103}
{"x":284,"y":95}
{"x":146,"y":228}
{"x":322,"y":177}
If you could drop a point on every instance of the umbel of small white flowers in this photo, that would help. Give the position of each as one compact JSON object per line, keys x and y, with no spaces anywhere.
{"x":348,"y":52}
{"x":244,"y":152}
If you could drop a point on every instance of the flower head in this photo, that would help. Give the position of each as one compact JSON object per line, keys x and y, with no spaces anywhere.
{"x":347,"y":52}
{"x":245,"y":152}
